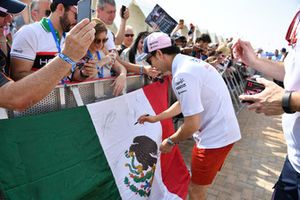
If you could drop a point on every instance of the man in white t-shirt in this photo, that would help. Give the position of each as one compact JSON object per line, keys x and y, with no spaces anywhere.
{"x":36,"y":44}
{"x":205,"y":103}
{"x":106,"y":12}
{"x":28,"y":91}
{"x":275,"y":100}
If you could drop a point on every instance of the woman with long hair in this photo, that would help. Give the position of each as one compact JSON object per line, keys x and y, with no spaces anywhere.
{"x":131,"y":54}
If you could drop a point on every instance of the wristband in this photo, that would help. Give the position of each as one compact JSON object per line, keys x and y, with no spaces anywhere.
{"x":286,"y":102}
{"x":141,"y":70}
{"x":170,"y":142}
{"x":68,"y":60}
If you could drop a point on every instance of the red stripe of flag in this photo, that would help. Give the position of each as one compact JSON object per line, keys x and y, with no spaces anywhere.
{"x":174,"y":172}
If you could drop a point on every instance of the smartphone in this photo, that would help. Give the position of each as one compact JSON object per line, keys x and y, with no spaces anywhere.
{"x":252,"y":87}
{"x":84,"y":10}
{"x":82,"y":62}
{"x":123,"y":9}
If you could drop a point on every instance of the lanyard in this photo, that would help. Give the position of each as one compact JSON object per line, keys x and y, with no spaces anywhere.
{"x":100,"y":69}
{"x":55,"y":36}
{"x":65,"y":79}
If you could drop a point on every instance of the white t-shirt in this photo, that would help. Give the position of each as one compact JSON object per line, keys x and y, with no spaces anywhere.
{"x":110,"y":43}
{"x":35,"y":42}
{"x":125,"y":56}
{"x":200,"y":89}
{"x":291,"y":122}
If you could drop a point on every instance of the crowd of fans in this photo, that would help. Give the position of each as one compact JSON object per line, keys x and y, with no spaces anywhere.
{"x":30,"y":40}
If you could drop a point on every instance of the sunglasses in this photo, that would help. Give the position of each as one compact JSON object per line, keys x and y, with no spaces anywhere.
{"x":148,"y":59}
{"x":98,"y":41}
{"x":3,"y":14}
{"x":129,"y":35}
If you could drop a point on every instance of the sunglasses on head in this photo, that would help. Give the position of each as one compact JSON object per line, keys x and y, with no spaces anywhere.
{"x":98,"y":41}
{"x":3,"y":14}
{"x":129,"y":35}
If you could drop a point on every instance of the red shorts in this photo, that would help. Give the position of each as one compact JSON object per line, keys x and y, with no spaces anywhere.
{"x":206,"y":163}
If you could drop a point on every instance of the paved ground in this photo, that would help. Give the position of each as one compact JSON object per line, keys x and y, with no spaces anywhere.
{"x":254,"y":163}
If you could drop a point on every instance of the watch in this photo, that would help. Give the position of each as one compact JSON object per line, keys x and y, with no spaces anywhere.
{"x":170,"y":142}
{"x":286,"y":102}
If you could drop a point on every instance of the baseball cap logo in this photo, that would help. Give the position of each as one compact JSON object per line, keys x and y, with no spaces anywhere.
{"x":153,"y":44}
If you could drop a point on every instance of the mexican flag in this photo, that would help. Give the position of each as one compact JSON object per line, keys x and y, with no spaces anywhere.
{"x":93,"y":152}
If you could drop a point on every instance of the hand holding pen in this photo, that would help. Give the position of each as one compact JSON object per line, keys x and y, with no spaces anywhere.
{"x":146,"y":118}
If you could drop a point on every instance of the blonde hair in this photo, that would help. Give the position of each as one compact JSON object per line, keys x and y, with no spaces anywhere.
{"x":100,"y":26}
{"x":223,"y":49}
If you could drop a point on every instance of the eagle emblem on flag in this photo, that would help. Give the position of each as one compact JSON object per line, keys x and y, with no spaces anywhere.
{"x":142,"y":155}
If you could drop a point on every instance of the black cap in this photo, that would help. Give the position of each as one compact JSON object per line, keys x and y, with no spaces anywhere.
{"x":11,"y":6}
{"x":177,"y":36}
{"x":66,"y":2}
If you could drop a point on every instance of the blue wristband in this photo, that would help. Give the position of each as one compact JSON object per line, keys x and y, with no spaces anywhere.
{"x":141,"y":70}
{"x":68,"y":60}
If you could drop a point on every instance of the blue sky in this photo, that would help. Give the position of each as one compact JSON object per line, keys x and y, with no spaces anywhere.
{"x":263,"y":22}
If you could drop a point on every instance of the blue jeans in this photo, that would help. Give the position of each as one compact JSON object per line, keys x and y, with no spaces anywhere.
{"x":288,"y":184}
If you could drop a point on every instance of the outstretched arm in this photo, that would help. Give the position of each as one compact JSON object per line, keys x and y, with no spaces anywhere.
{"x":269,"y":101}
{"x":139,"y":69}
{"x":169,"y":113}
{"x":121,"y":32}
{"x":190,"y":125}
{"x":31,"y":89}
{"x":244,"y":51}
{"x":120,"y":82}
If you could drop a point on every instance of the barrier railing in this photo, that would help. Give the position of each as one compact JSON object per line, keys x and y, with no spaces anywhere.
{"x":78,"y":94}
{"x":235,"y":82}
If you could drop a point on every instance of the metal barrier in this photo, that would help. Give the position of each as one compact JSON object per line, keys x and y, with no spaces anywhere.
{"x":78,"y":94}
{"x":235,"y":83}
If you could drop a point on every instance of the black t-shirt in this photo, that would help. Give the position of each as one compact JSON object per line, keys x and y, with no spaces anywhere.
{"x":121,"y":49}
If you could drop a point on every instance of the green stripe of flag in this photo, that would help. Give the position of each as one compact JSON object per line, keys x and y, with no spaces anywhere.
{"x":54,"y":156}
